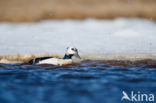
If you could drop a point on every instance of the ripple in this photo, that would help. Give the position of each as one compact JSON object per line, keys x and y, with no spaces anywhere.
{"x":89,"y":81}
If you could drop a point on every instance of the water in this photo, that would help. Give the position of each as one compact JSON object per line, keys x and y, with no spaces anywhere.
{"x":86,"y":82}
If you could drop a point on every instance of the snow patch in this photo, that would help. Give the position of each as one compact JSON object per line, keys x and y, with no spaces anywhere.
{"x":91,"y":37}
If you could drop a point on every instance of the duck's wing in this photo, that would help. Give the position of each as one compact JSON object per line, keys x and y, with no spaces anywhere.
{"x":37,"y":60}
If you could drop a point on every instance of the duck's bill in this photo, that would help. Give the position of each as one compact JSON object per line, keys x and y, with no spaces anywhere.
{"x":77,"y":55}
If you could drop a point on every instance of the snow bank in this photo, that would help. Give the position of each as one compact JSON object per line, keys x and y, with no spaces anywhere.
{"x":92,"y":37}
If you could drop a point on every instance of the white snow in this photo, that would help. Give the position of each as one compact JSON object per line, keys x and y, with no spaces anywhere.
{"x":91,"y":36}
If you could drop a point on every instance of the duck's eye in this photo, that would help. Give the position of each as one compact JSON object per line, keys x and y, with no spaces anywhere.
{"x":72,"y":49}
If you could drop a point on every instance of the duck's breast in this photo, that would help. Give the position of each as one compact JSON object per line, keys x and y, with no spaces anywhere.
{"x":64,"y":61}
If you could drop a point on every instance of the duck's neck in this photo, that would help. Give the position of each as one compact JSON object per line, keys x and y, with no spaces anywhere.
{"x":68,"y":56}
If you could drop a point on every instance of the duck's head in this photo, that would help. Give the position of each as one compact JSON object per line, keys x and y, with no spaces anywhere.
{"x":71,"y":51}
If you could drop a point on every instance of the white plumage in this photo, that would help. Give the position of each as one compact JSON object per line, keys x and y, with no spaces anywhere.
{"x":56,"y":61}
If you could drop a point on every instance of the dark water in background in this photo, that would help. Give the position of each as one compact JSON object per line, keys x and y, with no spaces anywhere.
{"x":85,"y":82}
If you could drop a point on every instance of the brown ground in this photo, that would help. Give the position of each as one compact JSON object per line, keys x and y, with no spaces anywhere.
{"x":24,"y":58}
{"x":35,"y":10}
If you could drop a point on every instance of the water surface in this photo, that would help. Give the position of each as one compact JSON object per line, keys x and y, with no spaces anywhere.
{"x":86,"y":82}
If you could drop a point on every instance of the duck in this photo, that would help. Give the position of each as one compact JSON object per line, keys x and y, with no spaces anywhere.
{"x":66,"y":60}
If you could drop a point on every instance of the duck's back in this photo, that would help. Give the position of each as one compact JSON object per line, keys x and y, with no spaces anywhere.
{"x":56,"y":61}
{"x":50,"y":60}
{"x":53,"y":61}
{"x":37,"y":60}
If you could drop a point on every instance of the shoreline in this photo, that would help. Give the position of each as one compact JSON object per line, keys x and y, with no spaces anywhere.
{"x":24,"y":58}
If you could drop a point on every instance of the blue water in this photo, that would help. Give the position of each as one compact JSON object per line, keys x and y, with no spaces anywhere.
{"x":85,"y":82}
